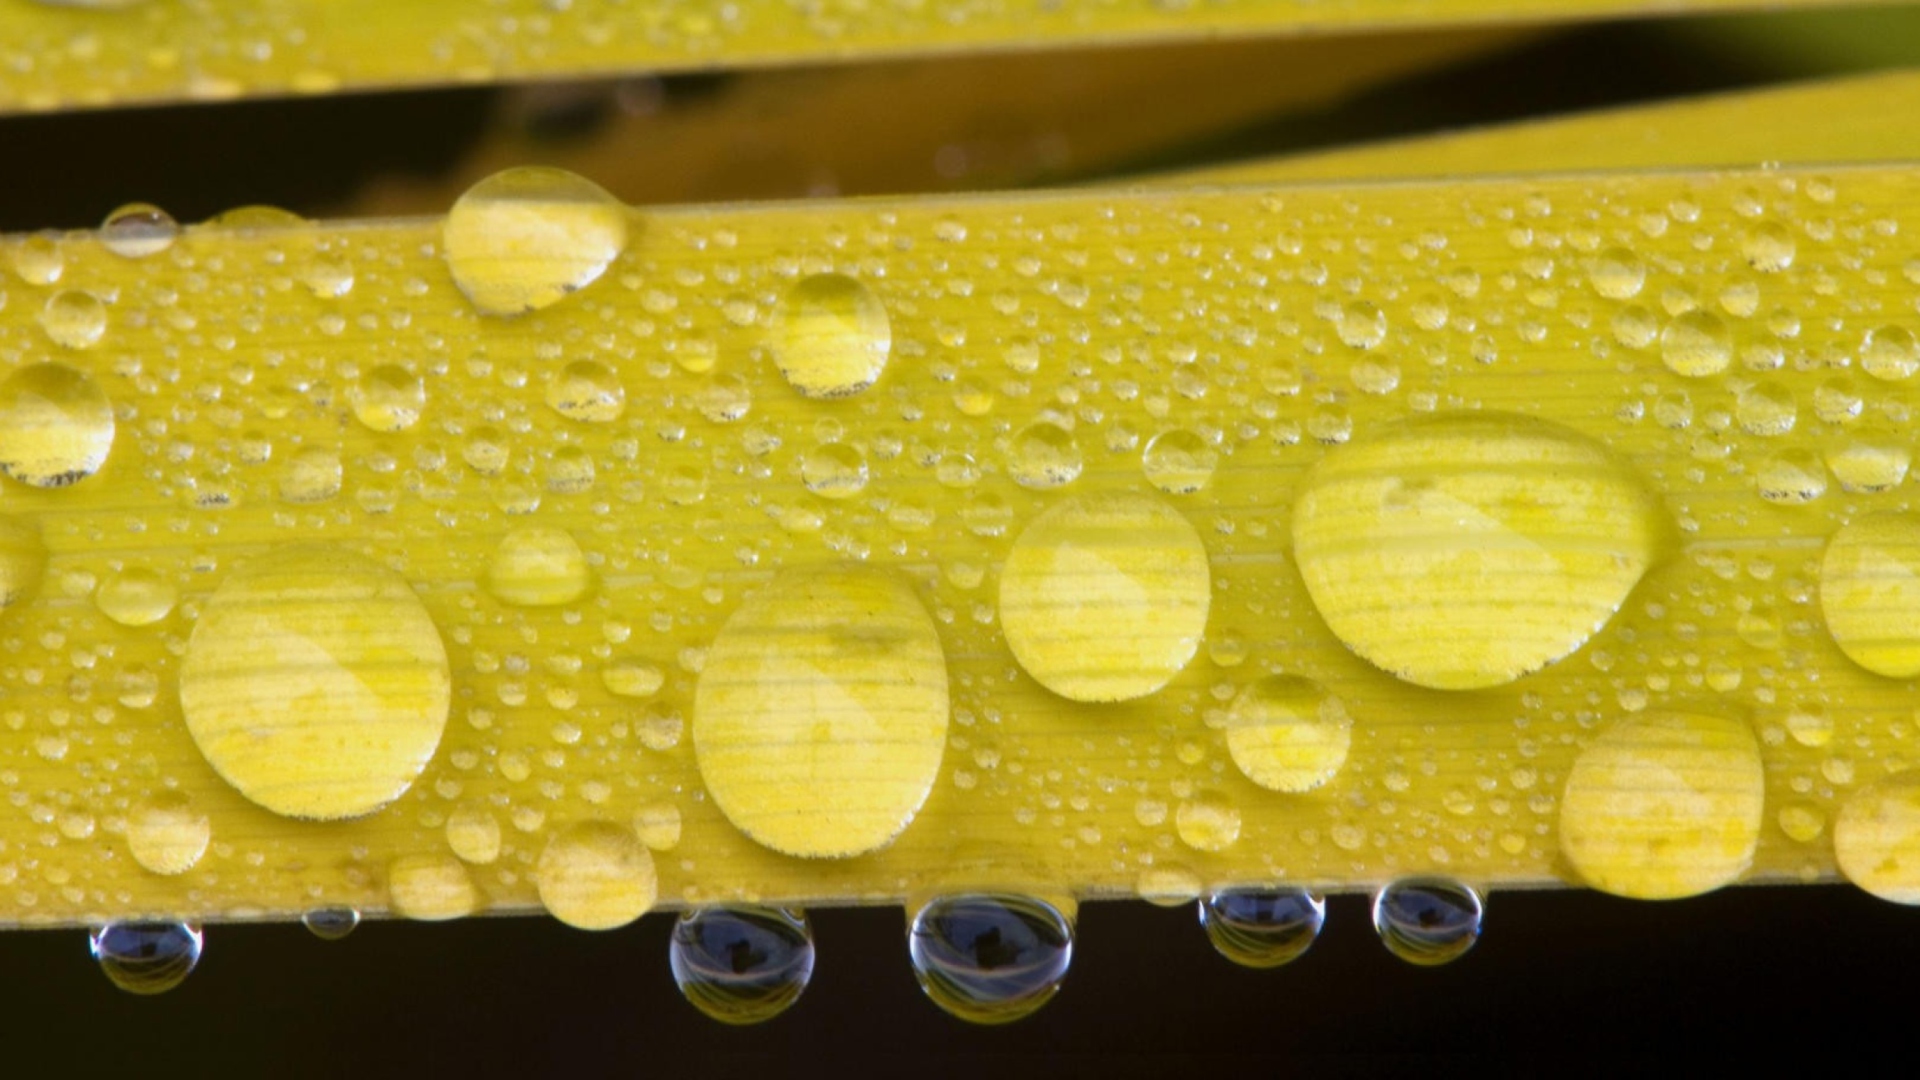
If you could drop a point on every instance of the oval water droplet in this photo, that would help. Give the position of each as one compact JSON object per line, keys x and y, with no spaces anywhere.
{"x":1043,"y":455}
{"x":523,"y":239}
{"x":990,"y":958}
{"x":1263,"y":928}
{"x":831,"y":336}
{"x":147,"y":957}
{"x":1287,"y":733}
{"x":588,"y":392}
{"x":316,"y":683}
{"x":74,"y":319}
{"x":23,"y":560}
{"x":1179,"y":462}
{"x":138,"y":230}
{"x":56,"y":426}
{"x":136,"y":597}
{"x":167,"y":834}
{"x":1427,"y":921}
{"x":388,"y":398}
{"x":1664,"y":805}
{"x":539,"y":566}
{"x":1207,"y":822}
{"x":821,"y":714}
{"x":742,"y":965}
{"x":1361,"y":325}
{"x":596,"y":876}
{"x":834,"y":470}
{"x":1890,"y":353}
{"x":331,"y":923}
{"x":473,"y":833}
{"x":1617,"y":274}
{"x":1696,"y":344}
{"x":1105,"y":597}
{"x":1876,"y":838}
{"x":1466,"y":551}
{"x":1870,"y":592}
{"x":311,"y":475}
{"x":1769,"y":248}
{"x":431,"y":888}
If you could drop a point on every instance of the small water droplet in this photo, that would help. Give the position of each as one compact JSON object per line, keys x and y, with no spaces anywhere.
{"x":56,"y":426}
{"x":74,"y":319}
{"x":1890,"y":353}
{"x":742,"y":965}
{"x":834,"y":470}
{"x":990,"y":958}
{"x":1427,"y":921}
{"x":1617,"y":274}
{"x":1263,"y":928}
{"x":596,"y":876}
{"x":167,"y":834}
{"x":136,"y":597}
{"x":1361,"y":325}
{"x":1179,"y":462}
{"x":431,"y":888}
{"x":331,"y":923}
{"x":388,"y":398}
{"x":1044,"y":455}
{"x":473,"y":833}
{"x":1287,"y":733}
{"x":523,"y":239}
{"x":539,"y":566}
{"x":831,"y":336}
{"x":147,"y":957}
{"x":1207,"y":822}
{"x":1696,"y":344}
{"x":138,"y":230}
{"x":587,"y":391}
{"x":1790,"y":478}
{"x":1769,"y":248}
{"x":632,"y":678}
{"x":658,"y":826}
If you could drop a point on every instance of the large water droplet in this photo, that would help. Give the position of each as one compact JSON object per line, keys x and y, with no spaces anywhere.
{"x":1263,"y":928}
{"x":1427,"y":920}
{"x":820,"y":717}
{"x":521,"y":240}
{"x":316,"y":683}
{"x":831,"y":336}
{"x":596,"y":876}
{"x":1870,"y":592}
{"x":539,"y":566}
{"x":136,"y":597}
{"x":990,"y":958}
{"x":1664,"y":805}
{"x":331,"y":923}
{"x":147,"y":957}
{"x":56,"y":426}
{"x":1105,"y":597}
{"x":1876,"y":838}
{"x":167,"y":834}
{"x":1466,"y":551}
{"x":138,"y":230}
{"x":1287,"y":733}
{"x":742,"y":965}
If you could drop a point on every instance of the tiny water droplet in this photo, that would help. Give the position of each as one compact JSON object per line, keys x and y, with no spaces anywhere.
{"x":331,"y":923}
{"x":990,"y":958}
{"x":1427,"y":920}
{"x":147,"y":957}
{"x":742,"y":965}
{"x":1263,"y":928}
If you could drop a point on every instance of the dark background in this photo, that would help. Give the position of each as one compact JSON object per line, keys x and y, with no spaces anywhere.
{"x":1562,"y":980}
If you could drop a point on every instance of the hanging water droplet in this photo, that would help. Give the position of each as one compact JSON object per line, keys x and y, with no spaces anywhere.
{"x":56,"y":426}
{"x":1043,"y":455}
{"x":1263,"y":928}
{"x":136,"y":597}
{"x":523,"y":239}
{"x":831,"y":336}
{"x":1427,"y":920}
{"x":388,"y":398}
{"x":74,"y":319}
{"x":147,"y":957}
{"x":138,"y":230}
{"x":588,"y":392}
{"x":167,"y":834}
{"x":742,"y":965}
{"x":316,"y":683}
{"x":1179,"y":462}
{"x":1287,"y":733}
{"x":834,"y":470}
{"x":331,"y":923}
{"x":539,"y":566}
{"x":990,"y":958}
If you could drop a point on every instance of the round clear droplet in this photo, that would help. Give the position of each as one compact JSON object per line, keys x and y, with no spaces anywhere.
{"x":1263,"y":928}
{"x":1428,"y":921}
{"x":331,"y":923}
{"x":138,"y":230}
{"x":990,"y":958}
{"x":742,"y":965}
{"x":147,"y":957}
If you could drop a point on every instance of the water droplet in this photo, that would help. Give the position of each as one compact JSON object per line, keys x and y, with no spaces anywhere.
{"x":1869,"y":467}
{"x":1890,"y":353}
{"x":388,"y":398}
{"x":742,"y":965}
{"x":1287,"y":733}
{"x":1207,"y":822}
{"x":23,"y":559}
{"x":486,"y":451}
{"x":74,"y":319}
{"x":632,"y":678}
{"x":1105,"y":597}
{"x":1466,"y":551}
{"x":1617,"y":274}
{"x":1870,"y":592}
{"x":1263,"y":928}
{"x":521,"y":240}
{"x":831,"y":336}
{"x":473,"y":833}
{"x":1361,"y":325}
{"x":38,"y":260}
{"x":1427,"y":921}
{"x":1790,"y":478}
{"x":1179,"y":462}
{"x":147,"y":957}
{"x":431,"y":888}
{"x":1043,"y":456}
{"x":138,"y":230}
{"x":1766,"y":409}
{"x":56,"y":426}
{"x":1769,"y":248}
{"x":1664,"y":805}
{"x":834,"y":470}
{"x":596,"y":876}
{"x":658,"y":826}
{"x":820,"y":717}
{"x":167,"y":834}
{"x":257,"y":219}
{"x":1696,"y":344}
{"x":990,"y":958}
{"x":1876,"y":838}
{"x":136,"y":597}
{"x":331,"y":923}
{"x":316,"y":683}
{"x":587,"y":391}
{"x":539,"y":566}
{"x":1810,"y":726}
